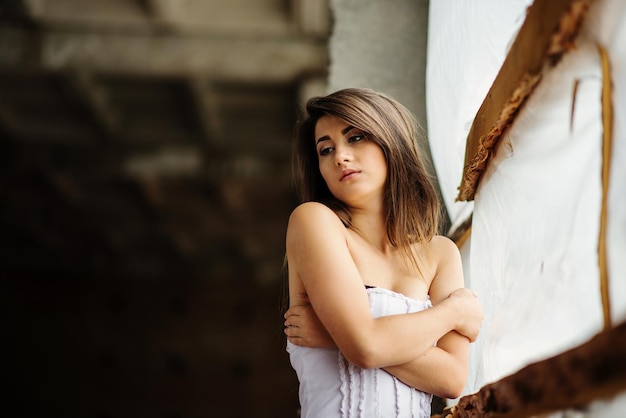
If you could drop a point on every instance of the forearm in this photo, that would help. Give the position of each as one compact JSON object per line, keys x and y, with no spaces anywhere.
{"x":400,"y":339}
{"x":435,"y":371}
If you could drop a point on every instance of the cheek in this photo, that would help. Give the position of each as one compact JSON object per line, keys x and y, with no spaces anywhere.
{"x":324,"y":170}
{"x":381,"y":163}
{"x":383,"y":176}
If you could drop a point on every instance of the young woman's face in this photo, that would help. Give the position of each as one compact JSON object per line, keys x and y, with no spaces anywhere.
{"x":353,"y":167}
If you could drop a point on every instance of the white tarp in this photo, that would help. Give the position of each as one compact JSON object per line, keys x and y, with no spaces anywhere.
{"x":536,"y":214}
{"x":467,"y":43}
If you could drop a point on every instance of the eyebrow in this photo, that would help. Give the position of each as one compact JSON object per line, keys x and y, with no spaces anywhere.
{"x":343,"y":132}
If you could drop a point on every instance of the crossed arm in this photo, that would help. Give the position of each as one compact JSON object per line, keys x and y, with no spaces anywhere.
{"x":321,"y":266}
{"x":440,"y":370}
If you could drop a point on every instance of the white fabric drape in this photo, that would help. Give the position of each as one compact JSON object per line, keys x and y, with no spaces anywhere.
{"x":536,"y":213}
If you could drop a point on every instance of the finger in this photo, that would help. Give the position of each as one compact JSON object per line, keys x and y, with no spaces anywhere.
{"x":291,"y":325}
{"x":299,"y":309}
{"x":291,"y":315}
{"x":292,"y":321}
{"x":292,"y":332}
{"x":293,"y":311}
{"x":295,"y":341}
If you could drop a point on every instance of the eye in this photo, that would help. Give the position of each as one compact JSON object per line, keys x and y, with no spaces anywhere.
{"x":356,"y":137}
{"x":325,"y":151}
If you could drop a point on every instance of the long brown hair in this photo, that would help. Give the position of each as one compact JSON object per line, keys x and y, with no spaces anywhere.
{"x":411,"y":202}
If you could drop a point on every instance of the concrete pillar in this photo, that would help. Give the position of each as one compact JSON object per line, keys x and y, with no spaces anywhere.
{"x":381,"y":45}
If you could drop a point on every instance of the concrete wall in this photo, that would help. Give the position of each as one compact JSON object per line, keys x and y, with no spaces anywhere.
{"x":381,"y":45}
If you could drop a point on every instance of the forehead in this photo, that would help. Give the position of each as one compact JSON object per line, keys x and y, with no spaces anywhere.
{"x":329,"y":125}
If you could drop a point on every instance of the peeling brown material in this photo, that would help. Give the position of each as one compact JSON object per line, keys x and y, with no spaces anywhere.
{"x":607,"y":145}
{"x":549,"y":31}
{"x":569,"y":26}
{"x":592,"y":371}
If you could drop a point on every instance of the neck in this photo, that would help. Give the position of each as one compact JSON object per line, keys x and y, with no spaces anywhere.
{"x":370,"y":224}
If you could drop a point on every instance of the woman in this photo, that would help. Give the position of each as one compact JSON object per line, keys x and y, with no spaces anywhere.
{"x":378,"y":317}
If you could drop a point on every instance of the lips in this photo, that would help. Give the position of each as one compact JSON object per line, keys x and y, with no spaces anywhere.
{"x":346,"y":173}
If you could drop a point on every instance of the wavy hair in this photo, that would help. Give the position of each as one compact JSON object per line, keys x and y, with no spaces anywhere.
{"x":411,"y":202}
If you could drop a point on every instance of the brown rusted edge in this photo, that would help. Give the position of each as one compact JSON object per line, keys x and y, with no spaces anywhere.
{"x":592,"y":371}
{"x":547,"y":33}
{"x":607,"y":145}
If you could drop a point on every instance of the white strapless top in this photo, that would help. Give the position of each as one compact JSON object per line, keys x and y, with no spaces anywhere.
{"x":330,"y":386}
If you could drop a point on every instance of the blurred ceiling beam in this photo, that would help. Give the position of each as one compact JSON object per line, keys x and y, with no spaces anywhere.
{"x":218,"y":58}
{"x":201,"y":17}
{"x":313,"y":16}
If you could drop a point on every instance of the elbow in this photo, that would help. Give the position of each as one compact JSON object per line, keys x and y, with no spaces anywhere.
{"x":363,"y":355}
{"x":452,"y":391}
{"x":453,"y":386}
{"x":367,"y":362}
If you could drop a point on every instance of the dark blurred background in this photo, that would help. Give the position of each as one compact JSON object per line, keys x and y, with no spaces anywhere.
{"x":145,"y":189}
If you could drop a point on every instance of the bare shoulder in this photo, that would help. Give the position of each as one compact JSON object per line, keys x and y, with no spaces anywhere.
{"x":443,"y":247}
{"x":313,"y":220}
{"x":314,"y":214}
{"x":312,"y":211}
{"x":318,"y":256}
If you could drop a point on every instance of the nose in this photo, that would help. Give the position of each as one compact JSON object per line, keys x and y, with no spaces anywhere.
{"x":342,"y":155}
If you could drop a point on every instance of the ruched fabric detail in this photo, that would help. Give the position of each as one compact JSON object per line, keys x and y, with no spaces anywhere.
{"x":331,"y":386}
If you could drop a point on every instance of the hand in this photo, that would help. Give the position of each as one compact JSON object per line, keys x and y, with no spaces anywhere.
{"x":469,"y":311}
{"x":303,"y":328}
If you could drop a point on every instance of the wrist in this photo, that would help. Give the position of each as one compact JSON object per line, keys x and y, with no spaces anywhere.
{"x":453,"y":314}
